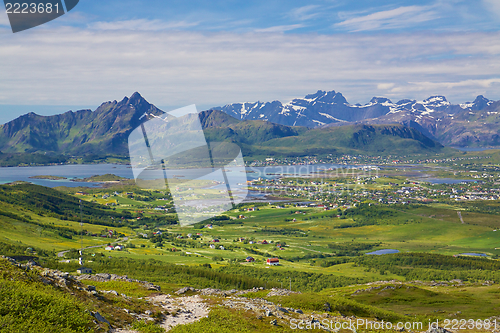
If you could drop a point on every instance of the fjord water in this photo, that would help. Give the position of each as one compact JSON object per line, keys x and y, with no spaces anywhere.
{"x":11,"y":174}
{"x":74,"y":171}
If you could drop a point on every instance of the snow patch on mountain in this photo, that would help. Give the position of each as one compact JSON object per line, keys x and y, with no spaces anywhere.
{"x":326,"y":107}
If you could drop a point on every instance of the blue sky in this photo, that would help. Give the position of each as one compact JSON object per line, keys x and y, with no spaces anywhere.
{"x":212,"y":53}
{"x":292,"y":16}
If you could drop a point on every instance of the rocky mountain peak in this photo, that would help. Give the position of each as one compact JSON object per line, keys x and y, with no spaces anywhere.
{"x":434,"y":99}
{"x":318,"y":94}
{"x":380,"y":100}
{"x":480,"y":103}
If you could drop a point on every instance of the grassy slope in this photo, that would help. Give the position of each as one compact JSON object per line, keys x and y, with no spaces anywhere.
{"x":28,"y":305}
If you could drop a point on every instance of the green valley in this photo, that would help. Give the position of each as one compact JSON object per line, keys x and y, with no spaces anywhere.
{"x":319,"y":227}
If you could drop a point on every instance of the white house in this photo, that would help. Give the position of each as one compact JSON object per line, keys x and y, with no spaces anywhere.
{"x":84,"y":270}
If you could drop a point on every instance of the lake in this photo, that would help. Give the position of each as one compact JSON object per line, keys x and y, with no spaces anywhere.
{"x":473,"y":254}
{"x":384,"y":251}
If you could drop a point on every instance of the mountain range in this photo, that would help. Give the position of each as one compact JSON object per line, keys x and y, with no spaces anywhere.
{"x":105,"y":131}
{"x":473,"y":124}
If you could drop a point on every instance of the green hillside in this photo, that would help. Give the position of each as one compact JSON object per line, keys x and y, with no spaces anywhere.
{"x":375,"y":139}
{"x":259,"y":138}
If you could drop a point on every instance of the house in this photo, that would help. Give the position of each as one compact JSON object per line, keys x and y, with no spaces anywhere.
{"x":264,"y":242}
{"x":221,"y":247}
{"x":209,"y":226}
{"x":119,"y":247}
{"x":109,"y":248}
{"x":216,"y":240}
{"x":241,"y":216}
{"x":273,"y":261}
{"x":84,"y":270}
{"x":212,"y":246}
{"x":241,"y":239}
{"x":81,"y":193}
{"x":250,"y":259}
{"x":159,"y":233}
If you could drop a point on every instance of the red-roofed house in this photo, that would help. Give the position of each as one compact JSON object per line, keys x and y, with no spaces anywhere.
{"x":273,"y":261}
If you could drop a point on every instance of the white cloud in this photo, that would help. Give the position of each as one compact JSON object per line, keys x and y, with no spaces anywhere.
{"x":385,"y":86}
{"x":390,"y":19}
{"x":142,"y":24}
{"x":493,"y":6}
{"x":67,"y":66}
{"x":435,"y":86}
{"x":304,"y":13}
{"x":281,"y":28}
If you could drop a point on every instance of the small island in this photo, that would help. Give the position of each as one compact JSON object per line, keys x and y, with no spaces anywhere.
{"x":100,"y":179}
{"x":48,"y":177}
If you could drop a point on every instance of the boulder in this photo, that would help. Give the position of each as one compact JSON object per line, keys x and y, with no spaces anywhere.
{"x":184,"y":290}
{"x":327,"y":307}
{"x":100,"y":318}
{"x":282,"y":310}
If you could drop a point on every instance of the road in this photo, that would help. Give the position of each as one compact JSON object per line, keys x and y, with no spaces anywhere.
{"x":61,"y":254}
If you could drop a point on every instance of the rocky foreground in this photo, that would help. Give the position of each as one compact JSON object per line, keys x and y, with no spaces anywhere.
{"x":116,"y":312}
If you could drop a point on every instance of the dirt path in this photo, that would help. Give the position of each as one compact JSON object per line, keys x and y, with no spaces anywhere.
{"x":181,"y":310}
